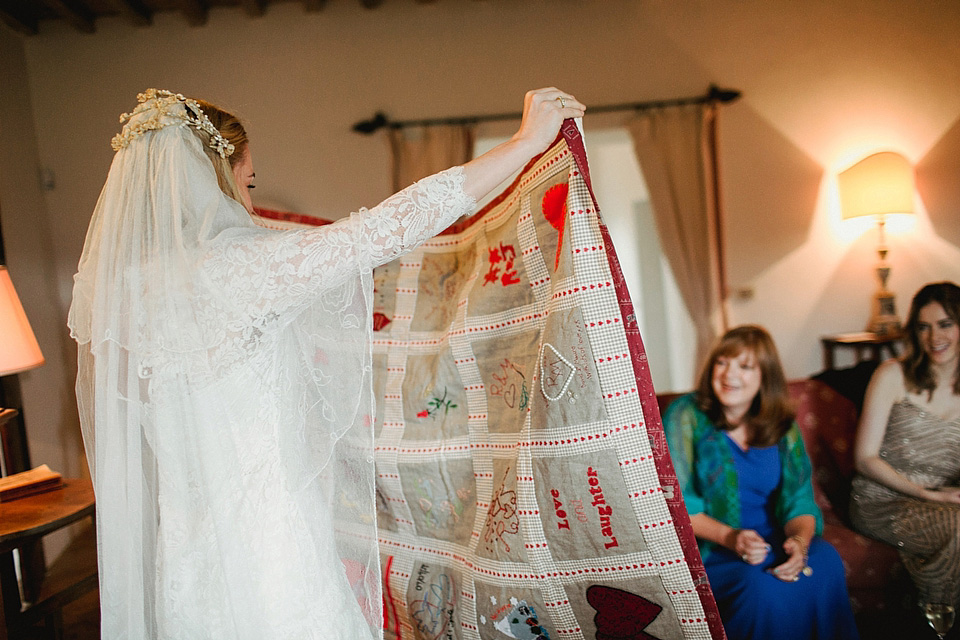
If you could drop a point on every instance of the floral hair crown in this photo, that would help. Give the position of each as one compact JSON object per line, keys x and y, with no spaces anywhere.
{"x":161,"y":102}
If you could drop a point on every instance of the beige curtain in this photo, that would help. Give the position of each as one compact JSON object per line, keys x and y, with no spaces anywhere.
{"x":676,"y":149}
{"x":422,"y":151}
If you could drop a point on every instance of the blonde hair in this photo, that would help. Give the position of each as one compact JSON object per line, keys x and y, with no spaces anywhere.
{"x":233,"y":130}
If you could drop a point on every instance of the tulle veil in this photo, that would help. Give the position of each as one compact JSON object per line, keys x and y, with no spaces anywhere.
{"x":195,"y":367}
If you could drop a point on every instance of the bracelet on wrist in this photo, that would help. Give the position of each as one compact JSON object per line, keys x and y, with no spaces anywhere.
{"x":804,"y":545}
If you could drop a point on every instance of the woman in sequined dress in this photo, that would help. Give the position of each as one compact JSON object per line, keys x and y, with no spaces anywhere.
{"x":907,"y":452}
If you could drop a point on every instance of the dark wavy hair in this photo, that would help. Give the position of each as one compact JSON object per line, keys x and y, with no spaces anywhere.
{"x":919,"y":375}
{"x":771,"y":414}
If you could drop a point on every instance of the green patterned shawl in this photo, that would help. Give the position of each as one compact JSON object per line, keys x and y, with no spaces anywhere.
{"x":708,"y":478}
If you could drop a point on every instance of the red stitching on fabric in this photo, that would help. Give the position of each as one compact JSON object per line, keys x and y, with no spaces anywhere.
{"x":552,"y":443}
{"x":464,"y":447}
{"x":640,"y":459}
{"x":612,"y":358}
{"x":388,"y":597}
{"x":567,"y":292}
{"x":600,"y":323}
{"x":617,"y":394}
{"x":644,"y":492}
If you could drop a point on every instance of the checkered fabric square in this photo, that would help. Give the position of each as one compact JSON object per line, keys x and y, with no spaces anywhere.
{"x":524,"y":485}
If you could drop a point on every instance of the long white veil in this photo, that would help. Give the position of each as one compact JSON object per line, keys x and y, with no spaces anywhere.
{"x":221,"y":385}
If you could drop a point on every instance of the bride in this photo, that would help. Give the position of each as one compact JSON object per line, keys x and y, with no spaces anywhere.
{"x":224,"y":380}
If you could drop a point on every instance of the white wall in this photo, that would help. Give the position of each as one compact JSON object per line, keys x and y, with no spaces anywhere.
{"x":49,"y":406}
{"x":824,"y":82}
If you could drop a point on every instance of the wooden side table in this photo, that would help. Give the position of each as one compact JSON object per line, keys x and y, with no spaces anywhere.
{"x":25,"y":521}
{"x":866,"y":346}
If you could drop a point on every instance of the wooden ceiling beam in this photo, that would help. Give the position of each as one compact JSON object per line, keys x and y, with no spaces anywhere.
{"x":17,"y":18}
{"x":77,"y":15}
{"x":195,"y":11}
{"x":135,"y":11}
{"x":311,"y":6}
{"x":371,"y":4}
{"x":254,"y":8}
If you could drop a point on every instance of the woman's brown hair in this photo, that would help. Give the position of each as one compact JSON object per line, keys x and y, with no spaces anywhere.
{"x":771,"y":414}
{"x":919,"y":375}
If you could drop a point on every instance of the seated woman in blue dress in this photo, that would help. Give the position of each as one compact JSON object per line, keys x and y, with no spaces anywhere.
{"x":746,"y":481}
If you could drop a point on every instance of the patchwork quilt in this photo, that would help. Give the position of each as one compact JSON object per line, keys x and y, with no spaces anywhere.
{"x":524,"y":485}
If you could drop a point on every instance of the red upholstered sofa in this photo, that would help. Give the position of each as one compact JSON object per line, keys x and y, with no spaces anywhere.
{"x":875,"y":577}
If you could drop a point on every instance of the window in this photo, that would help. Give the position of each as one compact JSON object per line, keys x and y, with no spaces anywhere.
{"x":666,"y":327}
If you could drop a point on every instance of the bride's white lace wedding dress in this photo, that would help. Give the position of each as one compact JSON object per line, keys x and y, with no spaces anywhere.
{"x":224,"y":391}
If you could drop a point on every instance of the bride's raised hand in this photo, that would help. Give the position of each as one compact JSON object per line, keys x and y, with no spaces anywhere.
{"x":544,"y":110}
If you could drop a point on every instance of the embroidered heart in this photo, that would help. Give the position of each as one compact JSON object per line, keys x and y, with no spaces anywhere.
{"x":510,"y":396}
{"x":554,"y":207}
{"x":621,"y":615}
{"x":380,"y":321}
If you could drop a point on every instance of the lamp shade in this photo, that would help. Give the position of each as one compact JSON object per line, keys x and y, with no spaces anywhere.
{"x":19,"y":350}
{"x":879,"y":184}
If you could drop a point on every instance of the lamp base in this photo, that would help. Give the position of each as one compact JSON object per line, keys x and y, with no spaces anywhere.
{"x":884,"y":319}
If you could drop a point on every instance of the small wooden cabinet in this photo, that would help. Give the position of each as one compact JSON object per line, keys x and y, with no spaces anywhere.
{"x":23,"y":522}
{"x":865,"y":345}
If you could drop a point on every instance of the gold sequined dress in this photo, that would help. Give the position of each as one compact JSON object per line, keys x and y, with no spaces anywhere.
{"x":926,"y":449}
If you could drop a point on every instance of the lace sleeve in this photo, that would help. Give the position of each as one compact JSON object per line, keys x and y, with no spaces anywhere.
{"x":275,"y":273}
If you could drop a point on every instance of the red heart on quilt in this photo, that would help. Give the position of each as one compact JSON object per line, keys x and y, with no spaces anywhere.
{"x":554,"y":207}
{"x":380,"y":321}
{"x":621,"y":615}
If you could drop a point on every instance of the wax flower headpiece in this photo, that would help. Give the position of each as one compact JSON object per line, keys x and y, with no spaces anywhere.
{"x":163,"y":103}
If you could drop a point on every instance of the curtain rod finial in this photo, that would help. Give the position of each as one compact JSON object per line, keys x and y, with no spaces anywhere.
{"x":717,"y":94}
{"x":378,"y":121}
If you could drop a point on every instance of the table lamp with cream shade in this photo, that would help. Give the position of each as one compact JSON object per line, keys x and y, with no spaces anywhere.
{"x":19,"y":352}
{"x":879,"y":185}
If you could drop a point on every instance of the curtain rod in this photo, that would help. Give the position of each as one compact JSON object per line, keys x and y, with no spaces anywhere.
{"x":380,"y":120}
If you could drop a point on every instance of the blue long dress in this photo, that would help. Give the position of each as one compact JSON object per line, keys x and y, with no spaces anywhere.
{"x":756,"y":605}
